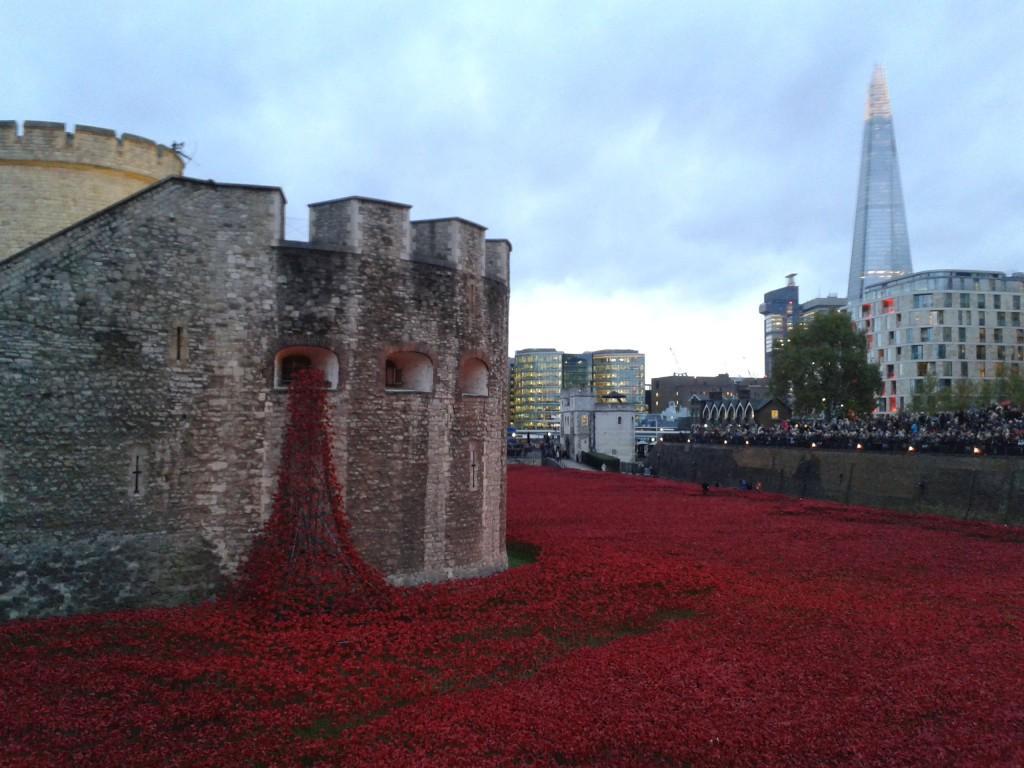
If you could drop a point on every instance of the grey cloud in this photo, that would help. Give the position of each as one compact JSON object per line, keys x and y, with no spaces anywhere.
{"x":627,"y":143}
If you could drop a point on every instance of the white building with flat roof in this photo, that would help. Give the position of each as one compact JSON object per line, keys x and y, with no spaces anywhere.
{"x":598,"y":425}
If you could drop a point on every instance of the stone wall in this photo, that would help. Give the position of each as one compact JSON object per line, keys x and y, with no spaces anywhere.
{"x":49,"y":178}
{"x":141,"y":429}
{"x":979,"y":488}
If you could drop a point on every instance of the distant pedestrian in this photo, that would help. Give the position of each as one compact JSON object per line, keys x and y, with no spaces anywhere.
{"x":704,"y":489}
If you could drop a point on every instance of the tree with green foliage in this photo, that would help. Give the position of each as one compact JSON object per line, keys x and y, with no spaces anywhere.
{"x":926,"y":398}
{"x":986,"y":392}
{"x":931,"y":398}
{"x":947,"y":399}
{"x":1011,"y":387}
{"x":963,"y":394}
{"x":824,"y":364}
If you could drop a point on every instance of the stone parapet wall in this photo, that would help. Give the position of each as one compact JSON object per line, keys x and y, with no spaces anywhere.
{"x":977,"y":488}
{"x":361,"y":224}
{"x":50,"y":178}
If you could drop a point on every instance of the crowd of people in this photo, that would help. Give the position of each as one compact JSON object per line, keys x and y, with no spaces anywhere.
{"x":545,"y":447}
{"x":994,"y":430}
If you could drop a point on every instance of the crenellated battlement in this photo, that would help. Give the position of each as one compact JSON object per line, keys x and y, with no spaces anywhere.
{"x":44,"y":143}
{"x":50,"y":178}
{"x":366,"y":225}
{"x":496,"y":259}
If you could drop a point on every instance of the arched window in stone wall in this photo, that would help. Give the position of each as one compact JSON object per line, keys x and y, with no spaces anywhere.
{"x":408,"y":372}
{"x":473,"y":374}
{"x":291,"y":360}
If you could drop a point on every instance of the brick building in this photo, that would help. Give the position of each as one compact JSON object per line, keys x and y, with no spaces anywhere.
{"x":145,"y":357}
{"x":676,"y":391}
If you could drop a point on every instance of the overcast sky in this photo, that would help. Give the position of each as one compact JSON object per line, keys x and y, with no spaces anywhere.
{"x":657,"y":166}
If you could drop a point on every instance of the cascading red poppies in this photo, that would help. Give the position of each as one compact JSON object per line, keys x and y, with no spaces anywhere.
{"x":659,"y":627}
{"x":303,"y":561}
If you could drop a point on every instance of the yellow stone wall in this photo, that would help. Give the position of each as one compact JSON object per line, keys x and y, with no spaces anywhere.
{"x":51,"y":178}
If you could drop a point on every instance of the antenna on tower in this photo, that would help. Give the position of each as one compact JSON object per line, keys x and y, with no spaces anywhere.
{"x":178,"y":147}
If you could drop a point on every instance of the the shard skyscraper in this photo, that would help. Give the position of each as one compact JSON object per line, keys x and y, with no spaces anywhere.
{"x":881,"y":248}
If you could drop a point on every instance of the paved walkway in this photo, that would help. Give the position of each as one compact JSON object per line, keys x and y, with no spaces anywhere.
{"x":570,"y":464}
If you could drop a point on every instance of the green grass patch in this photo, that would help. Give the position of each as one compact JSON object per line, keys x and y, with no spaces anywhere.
{"x":521,"y":553}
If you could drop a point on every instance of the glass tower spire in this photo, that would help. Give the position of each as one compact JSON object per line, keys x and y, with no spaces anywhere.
{"x":881,"y":248}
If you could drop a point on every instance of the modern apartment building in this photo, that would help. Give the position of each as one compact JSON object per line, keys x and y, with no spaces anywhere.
{"x":950,"y":324}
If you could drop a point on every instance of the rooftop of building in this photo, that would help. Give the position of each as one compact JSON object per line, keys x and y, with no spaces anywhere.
{"x":823,"y":301}
{"x":931,"y":278}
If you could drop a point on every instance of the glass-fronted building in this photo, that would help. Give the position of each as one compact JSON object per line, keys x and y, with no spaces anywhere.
{"x":576,"y":371}
{"x":619,"y":371}
{"x":781,"y":310}
{"x":539,"y":376}
{"x":952,"y":325}
{"x":881,"y":246}
{"x":536,"y":389}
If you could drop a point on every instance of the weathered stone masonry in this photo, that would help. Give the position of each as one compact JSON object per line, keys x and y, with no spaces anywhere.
{"x":140,"y":425}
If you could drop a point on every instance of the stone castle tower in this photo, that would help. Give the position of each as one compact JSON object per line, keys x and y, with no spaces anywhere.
{"x":145,"y":363}
{"x":50,"y":179}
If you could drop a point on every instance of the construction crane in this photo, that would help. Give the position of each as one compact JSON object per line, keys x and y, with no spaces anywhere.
{"x":677,"y":371}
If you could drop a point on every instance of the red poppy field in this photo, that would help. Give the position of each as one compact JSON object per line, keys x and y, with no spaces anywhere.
{"x":658,"y":627}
